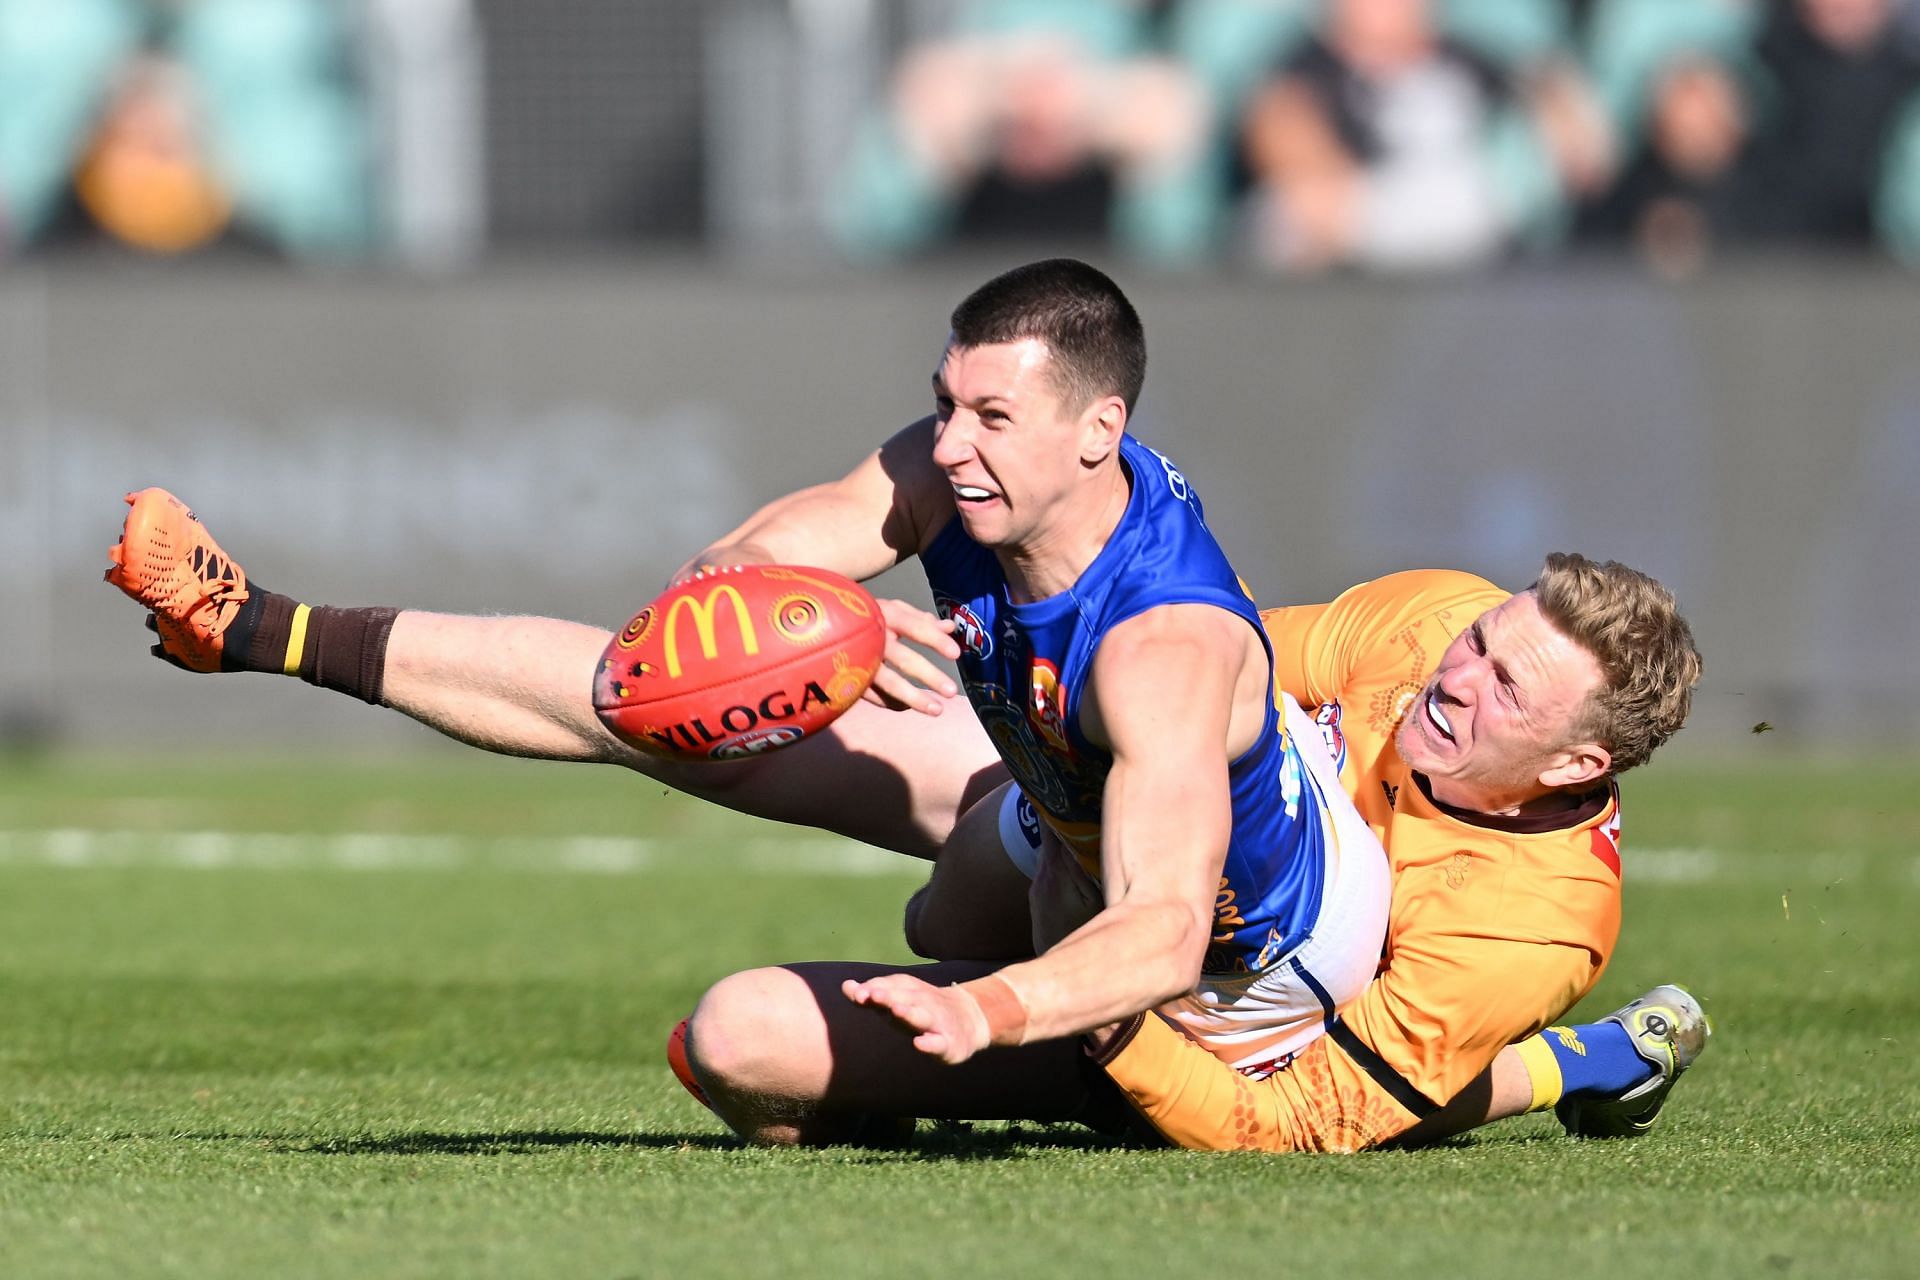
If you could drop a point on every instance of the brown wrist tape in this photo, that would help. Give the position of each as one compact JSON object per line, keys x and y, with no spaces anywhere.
{"x":1006,"y":1015}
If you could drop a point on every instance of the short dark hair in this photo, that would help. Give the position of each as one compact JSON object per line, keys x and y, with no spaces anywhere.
{"x":1091,"y":330}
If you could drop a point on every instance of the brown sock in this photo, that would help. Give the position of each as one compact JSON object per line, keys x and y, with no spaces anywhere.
{"x":340,"y":649}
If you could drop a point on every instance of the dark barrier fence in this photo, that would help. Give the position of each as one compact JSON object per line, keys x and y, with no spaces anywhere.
{"x":556,"y":440}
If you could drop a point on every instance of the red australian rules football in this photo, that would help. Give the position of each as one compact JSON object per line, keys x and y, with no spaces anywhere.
{"x":736,"y":661}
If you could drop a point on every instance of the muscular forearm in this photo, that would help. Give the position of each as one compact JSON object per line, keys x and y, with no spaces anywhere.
{"x":1130,"y":958}
{"x":518,"y":686}
{"x":838,"y":526}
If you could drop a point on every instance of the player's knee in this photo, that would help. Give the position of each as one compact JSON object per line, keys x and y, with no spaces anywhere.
{"x":934,"y":934}
{"x":743,"y":1036}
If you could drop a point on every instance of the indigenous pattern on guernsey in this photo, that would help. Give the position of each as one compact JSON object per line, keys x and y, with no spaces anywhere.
{"x":1525,"y":909}
{"x":1498,"y":926}
{"x":1025,"y":667}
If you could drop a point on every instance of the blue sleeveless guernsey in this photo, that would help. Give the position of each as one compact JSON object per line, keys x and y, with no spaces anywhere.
{"x":1024,"y":667}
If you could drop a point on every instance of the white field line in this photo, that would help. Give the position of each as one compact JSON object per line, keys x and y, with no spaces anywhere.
{"x":82,"y":847}
{"x":814,"y":854}
{"x":1703,"y":866}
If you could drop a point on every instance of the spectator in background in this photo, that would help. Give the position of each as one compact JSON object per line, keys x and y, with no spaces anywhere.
{"x":168,"y":125}
{"x":1046,"y":120}
{"x":1677,"y":82}
{"x":1842,"y":79}
{"x":1385,"y":142}
{"x":1794,"y":124}
{"x":147,"y":179}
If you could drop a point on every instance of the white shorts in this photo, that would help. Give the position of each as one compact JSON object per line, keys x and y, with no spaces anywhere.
{"x":1256,"y":1022}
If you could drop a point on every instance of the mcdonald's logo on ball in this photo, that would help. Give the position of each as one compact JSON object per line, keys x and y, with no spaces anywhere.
{"x":738,"y":661}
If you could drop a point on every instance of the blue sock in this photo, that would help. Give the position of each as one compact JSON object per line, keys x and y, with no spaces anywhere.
{"x":1596,"y":1058}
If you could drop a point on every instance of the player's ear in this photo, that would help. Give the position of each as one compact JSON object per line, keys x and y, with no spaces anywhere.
{"x":1101,"y":427}
{"x":1578,"y":767}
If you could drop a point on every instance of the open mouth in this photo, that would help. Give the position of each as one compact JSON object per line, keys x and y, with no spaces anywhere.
{"x":972,"y":493}
{"x":1436,"y":717}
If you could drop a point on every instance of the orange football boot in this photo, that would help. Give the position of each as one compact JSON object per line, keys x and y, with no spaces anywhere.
{"x":167,"y":561}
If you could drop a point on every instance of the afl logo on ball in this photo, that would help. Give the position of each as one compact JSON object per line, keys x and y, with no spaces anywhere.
{"x":754,"y":742}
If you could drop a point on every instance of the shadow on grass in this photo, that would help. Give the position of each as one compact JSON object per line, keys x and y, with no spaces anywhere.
{"x":932,"y":1142}
{"x":502,"y":1144}
{"x":958,"y":1140}
{"x":1481,"y":1140}
{"x":525,"y":1142}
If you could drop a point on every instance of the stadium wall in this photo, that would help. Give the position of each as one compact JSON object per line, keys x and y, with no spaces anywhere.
{"x":555,"y":440}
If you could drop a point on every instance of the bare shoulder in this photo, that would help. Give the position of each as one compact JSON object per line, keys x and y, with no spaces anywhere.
{"x":1173,"y":629}
{"x":922,"y":498}
{"x":1184,"y":664}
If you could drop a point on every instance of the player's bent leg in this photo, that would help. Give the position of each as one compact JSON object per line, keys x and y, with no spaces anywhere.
{"x":898,"y":780}
{"x":974,"y":905}
{"x":516,"y":686}
{"x":784,"y":1057}
{"x":1191,"y":1099}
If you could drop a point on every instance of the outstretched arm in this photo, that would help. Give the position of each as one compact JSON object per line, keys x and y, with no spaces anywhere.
{"x":864,"y":523}
{"x":883,"y":511}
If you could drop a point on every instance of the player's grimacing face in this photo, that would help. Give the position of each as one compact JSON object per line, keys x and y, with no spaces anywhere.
{"x":1499,"y":709}
{"x":1003,"y":437}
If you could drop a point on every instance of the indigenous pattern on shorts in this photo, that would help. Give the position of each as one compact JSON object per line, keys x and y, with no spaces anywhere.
{"x":1025,"y":666}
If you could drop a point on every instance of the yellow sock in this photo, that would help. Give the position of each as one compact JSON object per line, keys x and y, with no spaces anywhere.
{"x":1543,"y":1070}
{"x":296,"y":641}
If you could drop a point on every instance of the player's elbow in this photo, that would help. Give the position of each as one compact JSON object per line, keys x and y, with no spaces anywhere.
{"x":1171,"y":963}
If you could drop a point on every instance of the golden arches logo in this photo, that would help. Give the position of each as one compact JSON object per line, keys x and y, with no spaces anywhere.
{"x":705,"y":614}
{"x":799,"y":618}
{"x":636,"y":629}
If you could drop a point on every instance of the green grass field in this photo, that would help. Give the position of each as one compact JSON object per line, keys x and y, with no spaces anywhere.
{"x":405,"y":1019}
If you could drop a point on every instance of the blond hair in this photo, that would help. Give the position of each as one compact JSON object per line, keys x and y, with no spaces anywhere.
{"x":1633,"y":629}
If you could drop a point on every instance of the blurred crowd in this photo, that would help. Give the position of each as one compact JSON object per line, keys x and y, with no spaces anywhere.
{"x":173,"y":125}
{"x":1297,"y":136}
{"x":1392,"y":135}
